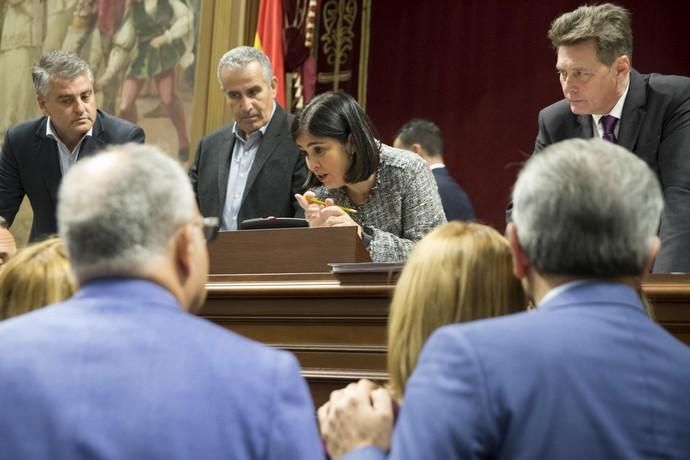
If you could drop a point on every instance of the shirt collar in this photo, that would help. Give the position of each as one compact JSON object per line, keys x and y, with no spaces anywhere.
{"x":617,"y":110}
{"x":560,"y":289}
{"x":437,"y":166}
{"x":262,"y":130}
{"x":53,"y":134}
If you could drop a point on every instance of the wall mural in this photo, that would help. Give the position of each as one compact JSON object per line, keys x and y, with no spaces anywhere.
{"x":142,"y":54}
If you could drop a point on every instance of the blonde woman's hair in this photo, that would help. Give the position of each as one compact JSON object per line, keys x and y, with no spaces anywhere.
{"x":36,"y":276}
{"x":460,"y":271}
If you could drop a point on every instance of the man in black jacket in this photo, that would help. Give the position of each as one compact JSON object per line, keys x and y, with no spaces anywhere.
{"x":252,"y":167}
{"x":39,"y":152}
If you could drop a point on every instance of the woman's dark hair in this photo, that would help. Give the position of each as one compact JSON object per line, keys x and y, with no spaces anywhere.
{"x":339,"y":116}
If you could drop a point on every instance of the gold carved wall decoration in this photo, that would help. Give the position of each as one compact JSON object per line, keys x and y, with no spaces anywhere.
{"x":339,"y":17}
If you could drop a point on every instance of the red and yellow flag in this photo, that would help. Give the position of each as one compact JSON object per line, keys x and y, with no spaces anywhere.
{"x":269,"y":39}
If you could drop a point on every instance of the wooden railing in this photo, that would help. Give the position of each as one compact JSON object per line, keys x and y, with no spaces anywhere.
{"x":338,"y":330}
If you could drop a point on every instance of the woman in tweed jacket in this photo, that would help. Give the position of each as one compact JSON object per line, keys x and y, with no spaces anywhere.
{"x":392,"y":191}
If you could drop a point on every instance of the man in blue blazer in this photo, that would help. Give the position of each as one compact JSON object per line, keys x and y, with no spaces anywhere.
{"x":424,"y":138}
{"x":37,"y":153}
{"x":122,"y":370}
{"x":649,"y":114}
{"x":252,"y":167}
{"x":587,"y":375}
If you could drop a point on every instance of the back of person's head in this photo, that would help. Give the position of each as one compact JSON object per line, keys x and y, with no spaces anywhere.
{"x":461,"y":271}
{"x":241,"y":56}
{"x":57,"y":65}
{"x":587,"y":208}
{"x":423,"y":132}
{"x":118,"y":210}
{"x":337,"y":115}
{"x":36,"y":276}
{"x":8,"y":246}
{"x":607,"y":24}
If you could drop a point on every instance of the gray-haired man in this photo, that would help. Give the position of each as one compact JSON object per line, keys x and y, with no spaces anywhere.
{"x":121,"y":370}
{"x":37,"y":153}
{"x":251,"y":168}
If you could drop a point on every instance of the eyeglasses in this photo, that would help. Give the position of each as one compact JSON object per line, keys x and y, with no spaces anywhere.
{"x":210,"y":227}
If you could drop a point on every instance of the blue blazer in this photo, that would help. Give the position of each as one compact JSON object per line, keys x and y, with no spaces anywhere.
{"x":30,"y":165}
{"x":586,"y":376}
{"x":122,"y":372}
{"x":456,"y":203}
{"x":655,"y":125}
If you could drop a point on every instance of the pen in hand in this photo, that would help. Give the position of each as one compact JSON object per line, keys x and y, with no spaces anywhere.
{"x":311,"y":199}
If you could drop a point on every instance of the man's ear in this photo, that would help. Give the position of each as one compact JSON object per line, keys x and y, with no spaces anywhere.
{"x":183,"y":252}
{"x":622,"y":65}
{"x":42,"y":104}
{"x":274,"y":86}
{"x":652,"y":251}
{"x":521,"y":263}
{"x":418,"y":149}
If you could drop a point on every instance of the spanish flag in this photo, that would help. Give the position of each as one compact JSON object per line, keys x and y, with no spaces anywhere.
{"x":269,"y":39}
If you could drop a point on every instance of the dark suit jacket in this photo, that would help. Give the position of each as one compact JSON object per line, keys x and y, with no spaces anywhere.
{"x":456,"y":203}
{"x":587,"y":375}
{"x":30,"y":165}
{"x":655,"y":125}
{"x":278,"y":172}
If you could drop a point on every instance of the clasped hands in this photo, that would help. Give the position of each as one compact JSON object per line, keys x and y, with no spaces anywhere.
{"x":325,"y":216}
{"x":359,"y":415}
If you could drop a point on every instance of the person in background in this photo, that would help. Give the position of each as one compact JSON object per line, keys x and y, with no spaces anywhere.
{"x":123,"y":369}
{"x":37,"y":276}
{"x":604,"y":97}
{"x":250,"y":168}
{"x":39,"y":152}
{"x":424,"y":138}
{"x":392,"y":191}
{"x":8,"y":247}
{"x":587,"y":374}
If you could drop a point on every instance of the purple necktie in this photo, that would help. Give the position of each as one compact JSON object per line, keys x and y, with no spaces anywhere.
{"x":608,"y":123}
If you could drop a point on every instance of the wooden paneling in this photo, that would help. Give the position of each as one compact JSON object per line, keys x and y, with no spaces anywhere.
{"x":338,"y":331}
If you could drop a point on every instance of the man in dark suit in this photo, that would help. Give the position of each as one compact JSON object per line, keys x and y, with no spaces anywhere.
{"x":647,"y":114}
{"x":251,"y":168}
{"x":37,"y":153}
{"x":424,"y":138}
{"x":124,"y":370}
{"x":586,"y":375}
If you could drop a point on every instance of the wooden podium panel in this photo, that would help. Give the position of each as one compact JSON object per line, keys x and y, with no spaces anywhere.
{"x":285,"y":250}
{"x":338,"y":331}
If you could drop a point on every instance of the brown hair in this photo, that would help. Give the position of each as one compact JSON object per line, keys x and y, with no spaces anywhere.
{"x":36,"y":276}
{"x":607,"y":24}
{"x":460,"y":271}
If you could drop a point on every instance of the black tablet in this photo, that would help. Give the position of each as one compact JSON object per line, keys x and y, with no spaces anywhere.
{"x":273,"y":222}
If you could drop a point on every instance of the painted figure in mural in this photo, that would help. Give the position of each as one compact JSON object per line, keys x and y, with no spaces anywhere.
{"x":111,"y":46}
{"x":162,"y":29}
{"x":20,"y":47}
{"x":59,"y":15}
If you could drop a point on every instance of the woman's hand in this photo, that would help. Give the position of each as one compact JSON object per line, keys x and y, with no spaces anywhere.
{"x":325,"y":216}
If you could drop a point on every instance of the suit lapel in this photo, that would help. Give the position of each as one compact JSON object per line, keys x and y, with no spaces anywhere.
{"x":226,"y":147}
{"x":633,"y":112}
{"x":269,"y":143}
{"x":584,"y":128}
{"x":48,"y":159}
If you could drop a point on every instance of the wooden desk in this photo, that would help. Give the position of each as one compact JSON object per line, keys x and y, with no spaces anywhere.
{"x":338,"y":331}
